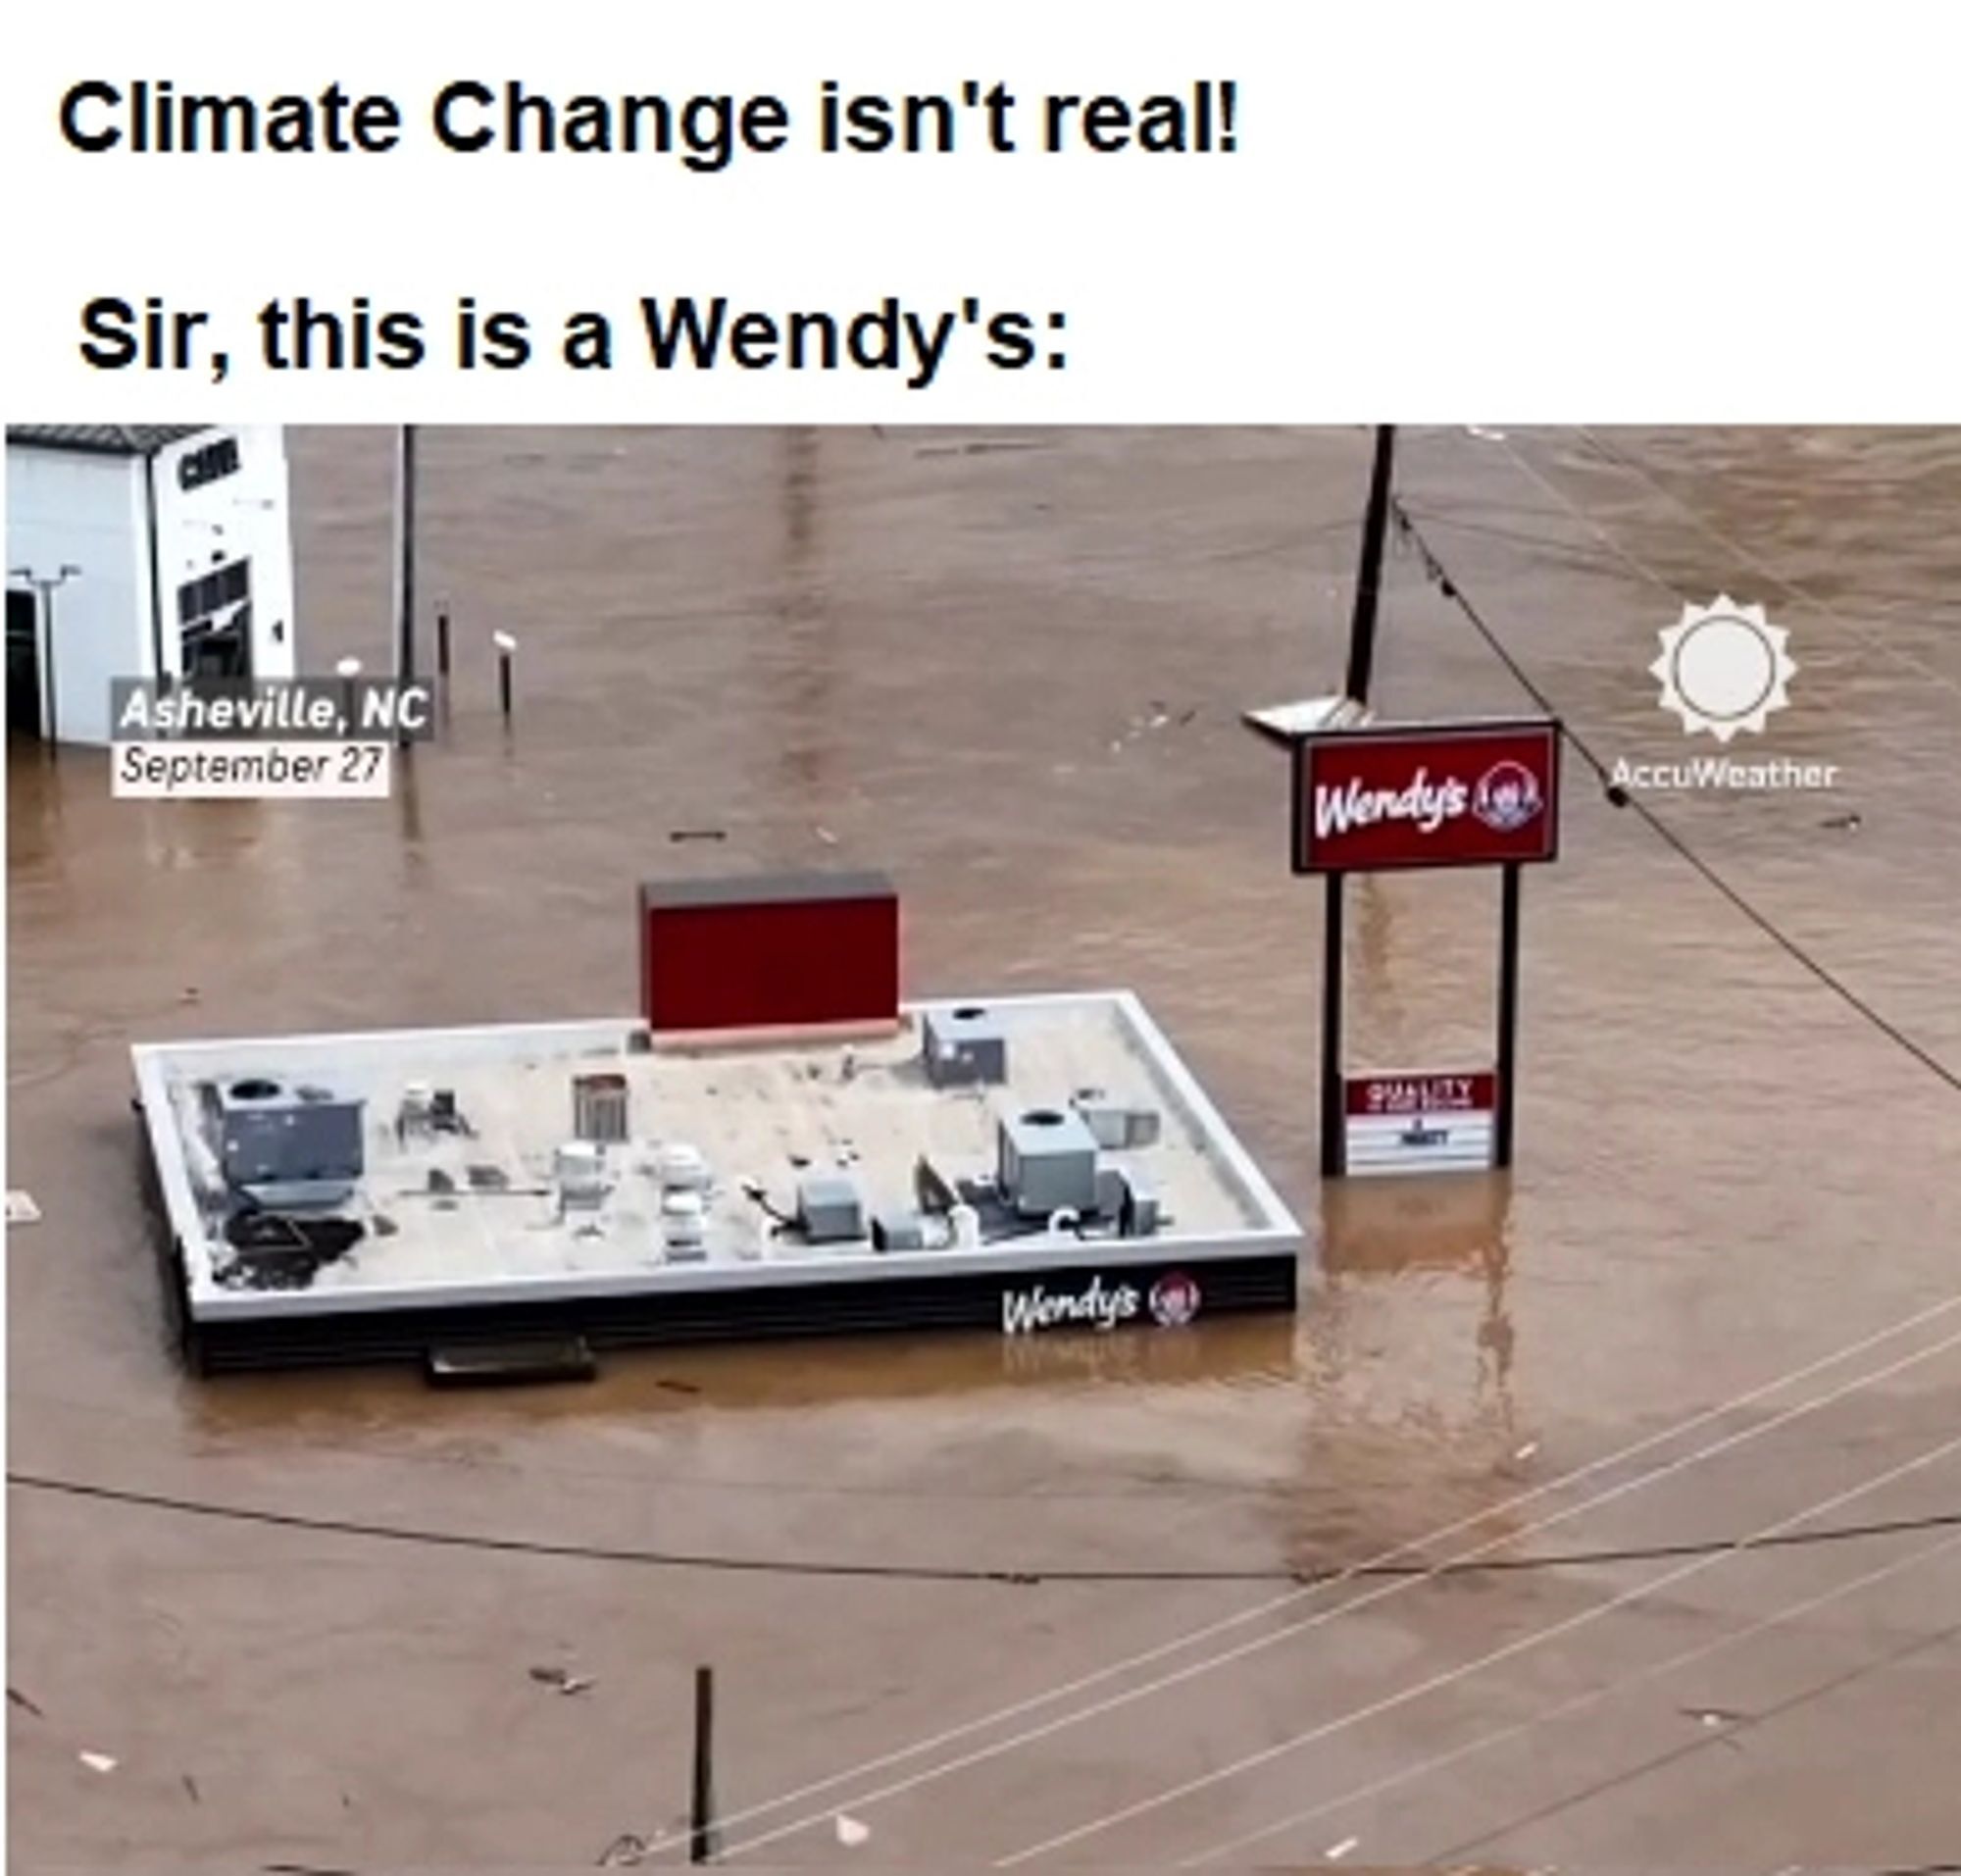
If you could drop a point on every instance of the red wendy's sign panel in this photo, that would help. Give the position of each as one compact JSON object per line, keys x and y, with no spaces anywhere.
{"x":1425,"y":794}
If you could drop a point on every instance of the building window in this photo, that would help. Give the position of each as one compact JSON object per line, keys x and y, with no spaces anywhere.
{"x":215,"y":619}
{"x":223,"y":587}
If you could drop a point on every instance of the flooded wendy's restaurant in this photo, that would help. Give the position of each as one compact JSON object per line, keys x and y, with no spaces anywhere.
{"x":1650,"y":1424}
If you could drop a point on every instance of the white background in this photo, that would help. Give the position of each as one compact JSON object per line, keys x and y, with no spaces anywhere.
{"x":1439,"y":212}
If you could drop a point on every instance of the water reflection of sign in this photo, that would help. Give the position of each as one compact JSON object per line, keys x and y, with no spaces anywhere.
{"x":1421,"y":1123}
{"x":1445,"y":794}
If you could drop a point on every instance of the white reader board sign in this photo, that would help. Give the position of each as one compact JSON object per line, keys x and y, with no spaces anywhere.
{"x":1421,"y":1123}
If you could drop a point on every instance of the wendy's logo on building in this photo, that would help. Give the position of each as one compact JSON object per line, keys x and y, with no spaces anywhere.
{"x":1098,"y":1305}
{"x":1173,"y":1300}
{"x":1507,"y":797}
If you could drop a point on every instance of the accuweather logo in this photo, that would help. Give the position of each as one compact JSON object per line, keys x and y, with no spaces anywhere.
{"x":1724,"y":669}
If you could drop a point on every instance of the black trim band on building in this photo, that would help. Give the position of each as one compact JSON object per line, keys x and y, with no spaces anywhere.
{"x":970,"y":1301}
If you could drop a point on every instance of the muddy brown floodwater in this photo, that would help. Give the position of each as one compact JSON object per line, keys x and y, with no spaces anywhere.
{"x":1007,"y":667}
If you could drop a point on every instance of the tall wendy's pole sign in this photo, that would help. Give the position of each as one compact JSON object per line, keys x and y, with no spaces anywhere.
{"x":1378,"y":797}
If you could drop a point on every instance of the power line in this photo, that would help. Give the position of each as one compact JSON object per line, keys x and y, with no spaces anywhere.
{"x":945,"y":1573}
{"x":1621,"y":460}
{"x":926,"y":1745}
{"x":1408,"y":1772}
{"x":1447,"y":1676}
{"x":1434,"y":569}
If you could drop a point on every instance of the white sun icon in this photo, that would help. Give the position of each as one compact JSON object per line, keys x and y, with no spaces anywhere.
{"x":1724,"y":668}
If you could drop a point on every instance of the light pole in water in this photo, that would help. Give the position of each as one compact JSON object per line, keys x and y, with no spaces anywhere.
{"x":347,"y":670}
{"x":405,"y":569}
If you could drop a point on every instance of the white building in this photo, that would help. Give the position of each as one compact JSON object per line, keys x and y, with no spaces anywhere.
{"x":140,"y":551}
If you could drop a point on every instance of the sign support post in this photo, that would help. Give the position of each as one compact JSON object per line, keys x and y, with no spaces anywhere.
{"x":1508,"y":1015}
{"x":1333,"y":1101}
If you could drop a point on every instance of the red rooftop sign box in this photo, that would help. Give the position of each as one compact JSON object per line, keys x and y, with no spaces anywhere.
{"x":1431,"y":795}
{"x":770,"y":951}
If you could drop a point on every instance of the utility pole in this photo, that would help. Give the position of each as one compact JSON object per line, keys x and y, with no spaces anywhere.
{"x":405,"y":550}
{"x":45,"y":586}
{"x":1361,"y":673}
{"x":1369,"y":575}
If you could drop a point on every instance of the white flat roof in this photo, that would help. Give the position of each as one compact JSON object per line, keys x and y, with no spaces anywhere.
{"x":455,"y":1217}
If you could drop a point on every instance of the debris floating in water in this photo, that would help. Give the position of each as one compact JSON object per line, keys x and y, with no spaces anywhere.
{"x":1335,"y":1851}
{"x":21,"y":1209}
{"x":97,"y":1761}
{"x":1306,"y":716}
{"x":850,"y":1832}
{"x":563,"y":1679}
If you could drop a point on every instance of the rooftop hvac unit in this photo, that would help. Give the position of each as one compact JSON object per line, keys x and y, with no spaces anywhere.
{"x":964,"y":1048}
{"x":599,"y":1107}
{"x":1048,"y":1162}
{"x":685,"y":1225}
{"x":829,"y":1210}
{"x":898,"y":1230}
{"x":1118,"y":1125}
{"x":680,"y":1168}
{"x":579,"y":1168}
{"x":288,"y":1146}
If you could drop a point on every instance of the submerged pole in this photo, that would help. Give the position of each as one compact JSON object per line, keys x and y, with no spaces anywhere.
{"x":405,"y":571}
{"x":703,"y":1843}
{"x":506,"y":647}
